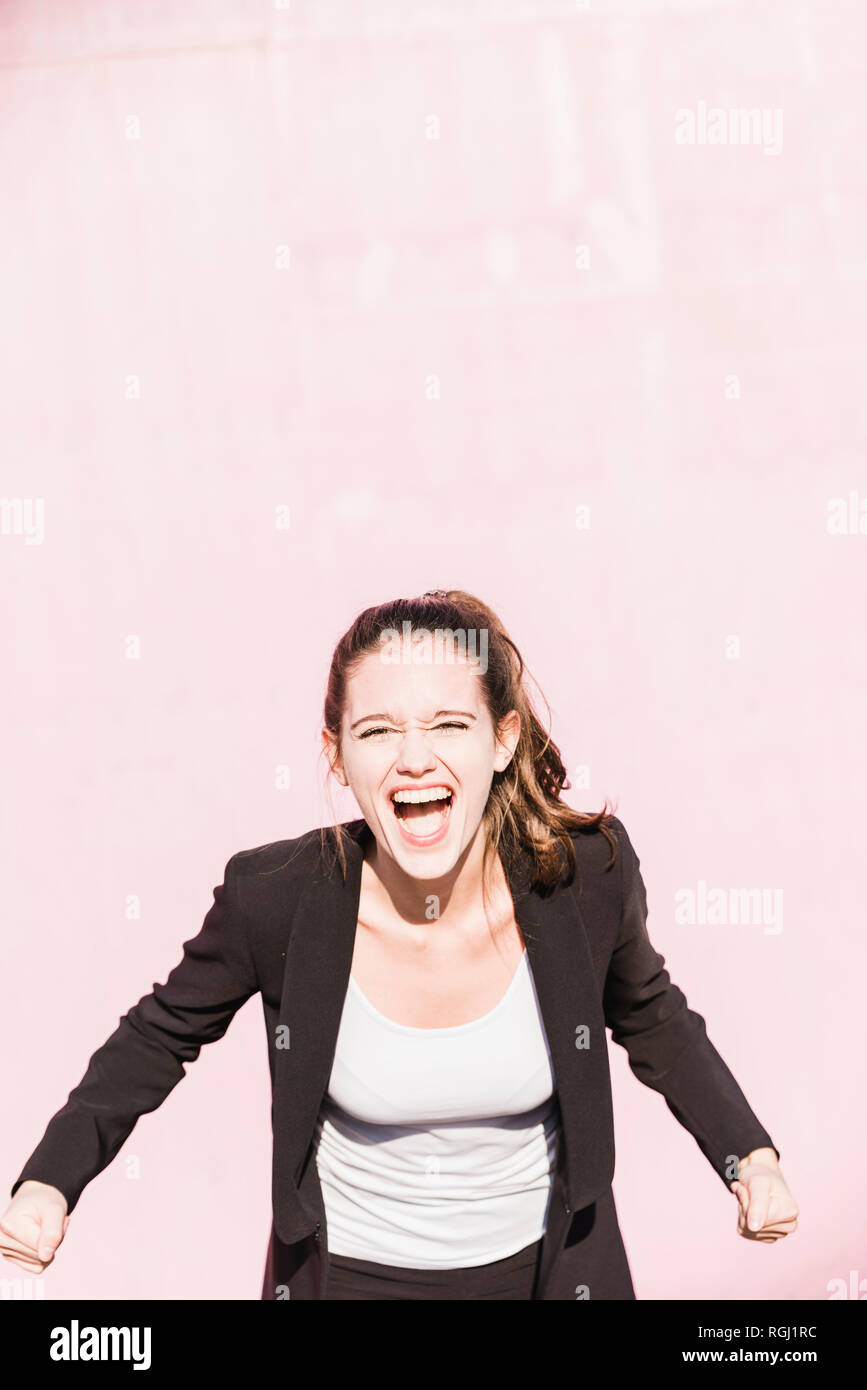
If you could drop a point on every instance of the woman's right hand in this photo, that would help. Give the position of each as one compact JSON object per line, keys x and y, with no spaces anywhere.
{"x":33,"y":1225}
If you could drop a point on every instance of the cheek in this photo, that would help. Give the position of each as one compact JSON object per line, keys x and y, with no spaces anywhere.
{"x":475,"y":773}
{"x":368,"y":768}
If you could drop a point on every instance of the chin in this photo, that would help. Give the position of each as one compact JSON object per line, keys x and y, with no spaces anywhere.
{"x":431,"y":861}
{"x":425,"y":865}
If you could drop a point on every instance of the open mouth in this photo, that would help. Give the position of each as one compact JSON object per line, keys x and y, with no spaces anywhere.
{"x":423,"y":814}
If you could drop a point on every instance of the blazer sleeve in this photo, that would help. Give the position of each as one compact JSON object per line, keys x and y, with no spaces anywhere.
{"x":143,"y":1060}
{"x":666,"y":1041}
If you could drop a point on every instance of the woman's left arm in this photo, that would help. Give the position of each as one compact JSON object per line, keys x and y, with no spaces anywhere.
{"x":766,"y":1208}
{"x":668,"y":1049}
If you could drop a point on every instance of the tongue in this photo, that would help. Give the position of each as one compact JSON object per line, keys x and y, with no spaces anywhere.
{"x":426,"y":816}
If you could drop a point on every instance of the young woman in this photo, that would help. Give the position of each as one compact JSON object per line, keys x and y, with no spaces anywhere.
{"x":437,"y":978}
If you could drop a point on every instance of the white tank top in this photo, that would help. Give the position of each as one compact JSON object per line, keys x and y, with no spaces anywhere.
{"x":435,"y":1146}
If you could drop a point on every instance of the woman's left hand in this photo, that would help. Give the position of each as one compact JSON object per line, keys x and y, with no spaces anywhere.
{"x":766,"y":1207}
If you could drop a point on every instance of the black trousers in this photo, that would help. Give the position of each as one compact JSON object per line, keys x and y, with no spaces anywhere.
{"x":511,"y":1278}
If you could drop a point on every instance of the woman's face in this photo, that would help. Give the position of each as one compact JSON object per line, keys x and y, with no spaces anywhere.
{"x":420,"y":724}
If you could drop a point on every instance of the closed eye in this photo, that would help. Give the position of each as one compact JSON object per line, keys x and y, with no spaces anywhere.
{"x":381,"y":728}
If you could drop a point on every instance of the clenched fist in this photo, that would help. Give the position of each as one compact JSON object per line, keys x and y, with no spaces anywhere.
{"x":766,"y":1208}
{"x":33,"y":1225}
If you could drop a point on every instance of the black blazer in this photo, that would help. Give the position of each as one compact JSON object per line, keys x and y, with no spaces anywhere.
{"x":283,"y":924}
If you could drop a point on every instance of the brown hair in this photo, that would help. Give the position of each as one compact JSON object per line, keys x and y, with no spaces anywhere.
{"x":524,"y":808}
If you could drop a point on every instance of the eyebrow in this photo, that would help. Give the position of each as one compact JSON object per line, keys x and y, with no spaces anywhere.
{"x":392,"y":720}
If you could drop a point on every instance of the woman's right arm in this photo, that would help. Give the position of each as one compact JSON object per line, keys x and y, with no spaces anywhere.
{"x":133,"y":1072}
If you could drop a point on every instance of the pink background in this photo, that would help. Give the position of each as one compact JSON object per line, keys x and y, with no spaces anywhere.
{"x":432,"y":377}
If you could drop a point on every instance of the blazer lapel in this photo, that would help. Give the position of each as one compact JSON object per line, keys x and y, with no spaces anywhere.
{"x":570,"y":1002}
{"x":315,"y":981}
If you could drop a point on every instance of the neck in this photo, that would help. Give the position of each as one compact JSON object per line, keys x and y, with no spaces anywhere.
{"x":458,"y":893}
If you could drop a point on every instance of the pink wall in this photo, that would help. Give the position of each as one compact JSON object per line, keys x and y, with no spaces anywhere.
{"x":433,"y":278}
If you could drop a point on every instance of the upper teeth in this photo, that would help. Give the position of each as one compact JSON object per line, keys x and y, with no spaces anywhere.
{"x":428,"y":794}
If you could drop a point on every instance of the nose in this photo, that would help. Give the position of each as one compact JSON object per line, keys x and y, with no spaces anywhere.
{"x":415,"y":756}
